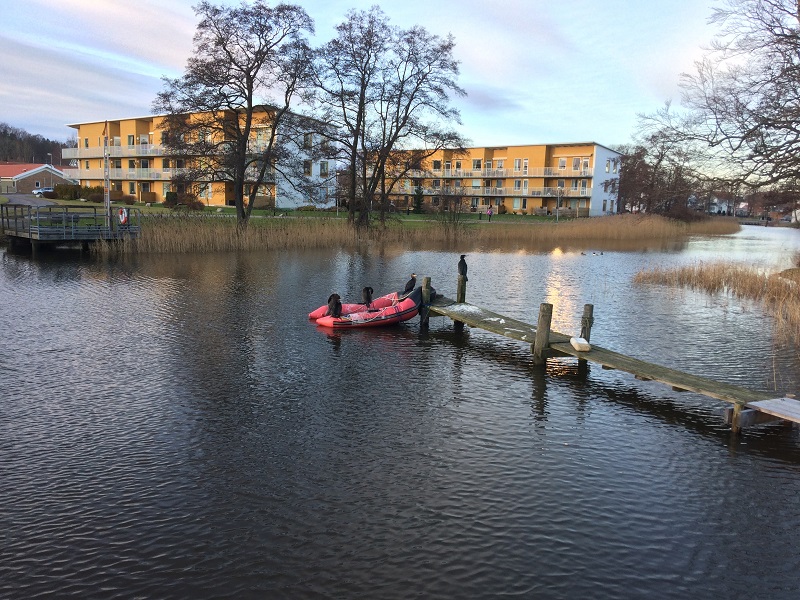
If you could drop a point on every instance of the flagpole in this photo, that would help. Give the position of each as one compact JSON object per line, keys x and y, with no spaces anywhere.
{"x":106,"y":177}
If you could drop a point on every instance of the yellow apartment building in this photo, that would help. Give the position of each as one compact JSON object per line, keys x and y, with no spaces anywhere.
{"x":140,"y":165}
{"x":578,"y":179}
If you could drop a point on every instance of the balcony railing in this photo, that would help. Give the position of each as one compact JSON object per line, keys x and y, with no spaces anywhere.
{"x":536,"y":192}
{"x":130,"y":174}
{"x":114,"y":151}
{"x":498,"y":173}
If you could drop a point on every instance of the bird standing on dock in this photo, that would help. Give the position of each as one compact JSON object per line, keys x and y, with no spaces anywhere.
{"x":411,"y":283}
{"x":462,"y":267}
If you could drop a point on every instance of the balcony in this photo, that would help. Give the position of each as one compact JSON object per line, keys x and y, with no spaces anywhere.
{"x":114,"y":151}
{"x":127,"y":174}
{"x":498,"y":173}
{"x":537,"y":192}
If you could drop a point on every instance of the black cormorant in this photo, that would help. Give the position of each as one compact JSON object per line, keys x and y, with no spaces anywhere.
{"x":411,"y":284}
{"x":462,"y":267}
{"x":366,"y":296}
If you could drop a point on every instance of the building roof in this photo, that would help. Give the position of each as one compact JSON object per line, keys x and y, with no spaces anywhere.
{"x":18,"y":170}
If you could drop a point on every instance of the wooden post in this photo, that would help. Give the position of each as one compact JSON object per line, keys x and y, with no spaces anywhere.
{"x":586,"y":332}
{"x":587,"y":320}
{"x":461,"y":296}
{"x":426,"y":303}
{"x":542,"y":341}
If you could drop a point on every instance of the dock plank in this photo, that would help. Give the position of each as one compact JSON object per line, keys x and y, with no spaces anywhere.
{"x":671,"y":377}
{"x":475,"y":316}
{"x":785,"y":408}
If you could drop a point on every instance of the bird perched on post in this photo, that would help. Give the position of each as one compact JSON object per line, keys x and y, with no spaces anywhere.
{"x":462,"y":267}
{"x":411,"y":283}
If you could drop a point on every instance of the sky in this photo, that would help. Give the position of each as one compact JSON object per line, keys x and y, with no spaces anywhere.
{"x":535,"y":71}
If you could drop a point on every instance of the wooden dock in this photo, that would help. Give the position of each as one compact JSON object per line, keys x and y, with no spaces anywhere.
{"x":749,"y":407}
{"x":31,"y":227}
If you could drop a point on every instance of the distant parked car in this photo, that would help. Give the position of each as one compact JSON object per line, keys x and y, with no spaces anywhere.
{"x":39,"y":191}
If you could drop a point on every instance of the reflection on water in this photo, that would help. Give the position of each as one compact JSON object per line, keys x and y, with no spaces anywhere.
{"x":175,"y":427}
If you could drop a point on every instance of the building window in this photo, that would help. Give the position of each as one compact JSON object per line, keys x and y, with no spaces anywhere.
{"x":608,"y":165}
{"x":85,"y":142}
{"x":435,"y":201}
{"x":585,"y":164}
{"x":458,"y":165}
{"x":476,"y":164}
{"x":500,"y":163}
{"x":145,"y":163}
{"x":488,"y":165}
{"x":517,"y":184}
{"x":457,"y":183}
{"x":525,"y":166}
{"x":584,"y":185}
{"x":116,"y":186}
{"x":516,"y":203}
{"x":165,"y":189}
{"x":476,"y":183}
{"x":448,"y":166}
{"x":145,"y":186}
{"x":576,"y":164}
{"x":86,"y":164}
{"x":307,"y":167}
{"x":323,"y":168}
{"x":179,"y":162}
{"x":474,"y":203}
{"x":307,"y":140}
{"x":131,"y":140}
{"x":574,"y":184}
{"x":165,"y":164}
{"x":616,"y":165}
{"x":517,"y":165}
{"x":437,"y":165}
{"x":562,"y":164}
{"x":116,"y":163}
{"x":132,"y":188}
{"x":436,"y":183}
{"x":561,"y":183}
{"x":604,"y":204}
{"x":131,"y":164}
{"x":524,"y":203}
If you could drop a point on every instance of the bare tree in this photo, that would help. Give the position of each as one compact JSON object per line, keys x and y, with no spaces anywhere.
{"x":743,"y":101}
{"x":383,"y":90}
{"x":229,"y":114}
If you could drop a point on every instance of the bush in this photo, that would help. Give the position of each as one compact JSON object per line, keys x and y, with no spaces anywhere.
{"x":195,"y":205}
{"x":49,"y":195}
{"x":306,"y":207}
{"x":95,"y":197}
{"x":170,"y":199}
{"x":501,"y":210}
{"x":129,"y":200}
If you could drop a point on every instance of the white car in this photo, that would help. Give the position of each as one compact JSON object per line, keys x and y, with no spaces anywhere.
{"x":40,"y":191}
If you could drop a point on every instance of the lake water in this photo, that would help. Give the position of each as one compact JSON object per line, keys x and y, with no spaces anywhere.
{"x":174,"y":427}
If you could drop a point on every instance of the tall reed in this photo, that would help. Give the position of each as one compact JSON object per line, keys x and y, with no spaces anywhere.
{"x":209,"y":234}
{"x":779,"y":293}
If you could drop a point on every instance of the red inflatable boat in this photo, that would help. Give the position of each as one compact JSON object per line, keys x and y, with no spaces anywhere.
{"x":404,"y":307}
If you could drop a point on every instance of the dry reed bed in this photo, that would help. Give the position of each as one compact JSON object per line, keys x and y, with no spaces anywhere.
{"x":779,"y":294}
{"x":198,"y":234}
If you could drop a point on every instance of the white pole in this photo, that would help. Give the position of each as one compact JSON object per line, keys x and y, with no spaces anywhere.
{"x":106,"y":176}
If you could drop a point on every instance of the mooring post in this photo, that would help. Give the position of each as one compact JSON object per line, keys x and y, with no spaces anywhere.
{"x":426,"y":302}
{"x":461,"y":296}
{"x":542,"y":340}
{"x":587,"y":320}
{"x":586,"y":331}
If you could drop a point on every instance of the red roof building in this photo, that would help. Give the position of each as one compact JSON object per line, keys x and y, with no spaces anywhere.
{"x":23,"y":178}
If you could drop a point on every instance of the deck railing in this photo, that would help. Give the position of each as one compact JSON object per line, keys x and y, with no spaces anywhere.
{"x":55,"y":223}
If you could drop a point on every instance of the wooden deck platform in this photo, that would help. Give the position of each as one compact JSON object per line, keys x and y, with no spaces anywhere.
{"x":53,"y":224}
{"x":749,"y":406}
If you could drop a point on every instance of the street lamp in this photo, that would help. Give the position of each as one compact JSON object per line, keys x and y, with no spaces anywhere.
{"x":50,"y":154}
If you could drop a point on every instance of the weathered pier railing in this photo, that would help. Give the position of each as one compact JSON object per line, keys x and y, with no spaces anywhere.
{"x":749,"y":407}
{"x":53,"y":224}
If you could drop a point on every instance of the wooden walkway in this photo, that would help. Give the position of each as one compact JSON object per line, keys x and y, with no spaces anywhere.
{"x":749,"y":406}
